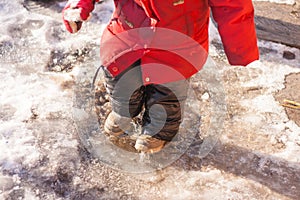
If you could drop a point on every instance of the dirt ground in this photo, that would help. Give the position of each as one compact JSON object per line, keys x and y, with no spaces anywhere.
{"x":290,"y":92}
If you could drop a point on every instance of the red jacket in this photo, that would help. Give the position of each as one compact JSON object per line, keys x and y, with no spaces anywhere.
{"x":171,"y":36}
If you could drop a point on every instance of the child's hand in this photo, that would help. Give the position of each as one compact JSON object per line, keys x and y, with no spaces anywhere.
{"x":255,"y":63}
{"x":75,"y":12}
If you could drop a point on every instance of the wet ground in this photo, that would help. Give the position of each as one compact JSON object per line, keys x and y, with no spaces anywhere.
{"x":47,"y":73}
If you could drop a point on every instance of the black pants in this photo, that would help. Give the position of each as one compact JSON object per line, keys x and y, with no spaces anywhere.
{"x":162,"y":103}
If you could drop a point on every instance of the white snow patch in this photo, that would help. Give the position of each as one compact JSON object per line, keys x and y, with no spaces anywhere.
{"x":29,"y":194}
{"x":291,"y":139}
{"x":262,"y":104}
{"x":17,"y":146}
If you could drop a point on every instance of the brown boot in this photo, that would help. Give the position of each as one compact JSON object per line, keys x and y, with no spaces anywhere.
{"x":116,"y":125}
{"x":148,"y":144}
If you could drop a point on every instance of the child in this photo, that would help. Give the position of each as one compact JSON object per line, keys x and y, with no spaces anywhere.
{"x":136,"y":78}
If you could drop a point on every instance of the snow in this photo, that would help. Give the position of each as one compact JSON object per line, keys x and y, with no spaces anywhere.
{"x":290,"y":2}
{"x":38,"y":137}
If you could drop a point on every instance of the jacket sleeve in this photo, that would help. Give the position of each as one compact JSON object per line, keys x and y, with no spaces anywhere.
{"x":235,"y":19}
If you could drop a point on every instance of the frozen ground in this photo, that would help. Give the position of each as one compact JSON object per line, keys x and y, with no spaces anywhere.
{"x":41,"y":157}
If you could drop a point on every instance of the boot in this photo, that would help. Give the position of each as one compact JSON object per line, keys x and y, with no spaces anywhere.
{"x":148,"y":144}
{"x":116,"y":125}
{"x":116,"y":128}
